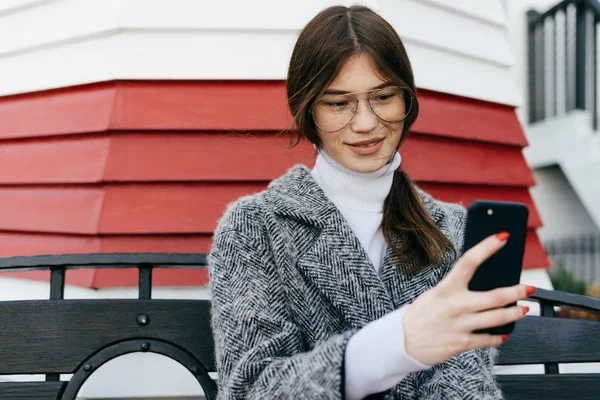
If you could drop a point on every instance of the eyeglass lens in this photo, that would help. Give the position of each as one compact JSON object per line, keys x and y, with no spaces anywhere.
{"x":334,"y":111}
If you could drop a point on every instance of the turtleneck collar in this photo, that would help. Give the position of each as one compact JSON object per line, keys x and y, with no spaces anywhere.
{"x":358,"y":191}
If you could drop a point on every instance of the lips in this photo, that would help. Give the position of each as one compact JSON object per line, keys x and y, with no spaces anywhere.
{"x":366,"y":147}
{"x":366,"y":143}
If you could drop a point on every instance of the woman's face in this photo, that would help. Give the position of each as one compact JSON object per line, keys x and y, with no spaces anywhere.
{"x":367,"y":143}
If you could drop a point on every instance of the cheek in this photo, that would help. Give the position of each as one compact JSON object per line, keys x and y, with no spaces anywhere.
{"x":330,"y":140}
{"x":396,"y":133}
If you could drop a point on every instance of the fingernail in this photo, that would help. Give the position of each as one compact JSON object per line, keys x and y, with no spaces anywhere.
{"x":525,"y":310}
{"x":504,"y":338}
{"x":529,"y":290}
{"x":503,"y":236}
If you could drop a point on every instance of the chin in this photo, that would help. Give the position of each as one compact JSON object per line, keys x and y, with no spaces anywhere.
{"x":365,"y":166}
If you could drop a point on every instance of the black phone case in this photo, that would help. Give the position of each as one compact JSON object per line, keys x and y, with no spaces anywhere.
{"x":485,"y":218}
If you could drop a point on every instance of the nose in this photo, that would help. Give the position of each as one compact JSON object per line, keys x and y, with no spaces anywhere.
{"x":364,"y":120}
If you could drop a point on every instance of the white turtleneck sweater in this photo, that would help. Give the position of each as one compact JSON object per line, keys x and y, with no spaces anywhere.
{"x":375,"y":358}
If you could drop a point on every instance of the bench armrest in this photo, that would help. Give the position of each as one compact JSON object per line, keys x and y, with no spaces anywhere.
{"x":103,"y":260}
{"x":559,"y":298}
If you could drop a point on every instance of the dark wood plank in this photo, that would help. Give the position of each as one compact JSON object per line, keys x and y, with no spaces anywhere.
{"x":31,"y":390}
{"x":41,"y":337}
{"x":550,"y":387}
{"x":538,"y":340}
{"x":114,"y":260}
{"x":558,"y":298}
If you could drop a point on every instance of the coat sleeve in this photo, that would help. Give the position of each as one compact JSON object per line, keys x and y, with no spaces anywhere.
{"x":259,"y":350}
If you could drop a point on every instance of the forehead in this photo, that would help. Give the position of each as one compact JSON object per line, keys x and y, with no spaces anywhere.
{"x":358,"y":73}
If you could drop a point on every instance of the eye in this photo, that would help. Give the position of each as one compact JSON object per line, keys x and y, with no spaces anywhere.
{"x":337,"y":104}
{"x":384,"y":96}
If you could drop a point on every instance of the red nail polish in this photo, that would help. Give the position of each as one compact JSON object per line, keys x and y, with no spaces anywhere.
{"x":504,"y":338}
{"x":525,"y":310}
{"x":502,"y":236}
{"x":529,"y":290}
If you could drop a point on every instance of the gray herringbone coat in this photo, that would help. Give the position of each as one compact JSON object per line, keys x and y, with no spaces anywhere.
{"x":291,"y":283}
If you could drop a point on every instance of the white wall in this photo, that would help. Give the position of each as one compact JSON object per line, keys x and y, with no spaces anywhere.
{"x":456,"y":46}
{"x":564,"y":214}
{"x":569,"y":142}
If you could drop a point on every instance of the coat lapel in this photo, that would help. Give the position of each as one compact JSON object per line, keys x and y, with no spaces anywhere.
{"x":335,"y":261}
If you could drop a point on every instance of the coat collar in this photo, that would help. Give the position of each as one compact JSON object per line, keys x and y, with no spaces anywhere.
{"x":336,"y":254}
{"x":297,"y":195}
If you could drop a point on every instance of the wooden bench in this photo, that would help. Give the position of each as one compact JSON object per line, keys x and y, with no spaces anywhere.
{"x":58,"y":336}
{"x":550,"y":340}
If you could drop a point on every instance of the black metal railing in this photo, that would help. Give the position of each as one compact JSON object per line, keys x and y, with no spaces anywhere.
{"x":562,"y":53}
{"x":578,"y":255}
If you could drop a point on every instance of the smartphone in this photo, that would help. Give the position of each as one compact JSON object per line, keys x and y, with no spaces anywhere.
{"x":486,"y":218}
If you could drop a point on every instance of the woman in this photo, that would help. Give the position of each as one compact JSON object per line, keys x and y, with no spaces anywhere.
{"x":343,"y":280}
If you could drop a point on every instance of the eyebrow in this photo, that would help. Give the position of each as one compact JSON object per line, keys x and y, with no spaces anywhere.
{"x":337,"y":91}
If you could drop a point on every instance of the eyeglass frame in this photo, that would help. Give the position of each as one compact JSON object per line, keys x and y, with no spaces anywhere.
{"x":405,"y":89}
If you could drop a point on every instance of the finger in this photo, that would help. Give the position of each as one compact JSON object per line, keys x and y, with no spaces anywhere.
{"x":492,"y":318}
{"x":481,"y":301}
{"x":466,"y":266}
{"x":485,"y":340}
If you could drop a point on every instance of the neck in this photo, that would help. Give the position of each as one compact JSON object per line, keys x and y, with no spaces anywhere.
{"x":358,"y":191}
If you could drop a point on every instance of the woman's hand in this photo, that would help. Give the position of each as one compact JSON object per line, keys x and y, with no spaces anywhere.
{"x":439,"y":324}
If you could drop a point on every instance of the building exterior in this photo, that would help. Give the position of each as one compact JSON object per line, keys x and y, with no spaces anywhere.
{"x":557,"y":74}
{"x":129,"y":125}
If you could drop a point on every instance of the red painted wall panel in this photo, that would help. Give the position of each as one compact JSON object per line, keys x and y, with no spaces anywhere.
{"x":226,"y":105}
{"x":227,"y":157}
{"x":51,"y":209}
{"x":157,"y":208}
{"x":77,"y":159}
{"x":57,"y":112}
{"x":464,"y":118}
{"x":151,"y":166}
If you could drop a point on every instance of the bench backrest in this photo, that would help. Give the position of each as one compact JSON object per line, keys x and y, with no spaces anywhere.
{"x":58,"y":336}
{"x":550,"y":340}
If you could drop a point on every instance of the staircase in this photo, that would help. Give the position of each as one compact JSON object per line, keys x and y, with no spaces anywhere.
{"x":571,"y":143}
{"x":563,"y":96}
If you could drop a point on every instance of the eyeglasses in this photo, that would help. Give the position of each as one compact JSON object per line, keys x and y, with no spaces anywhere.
{"x":334,"y":112}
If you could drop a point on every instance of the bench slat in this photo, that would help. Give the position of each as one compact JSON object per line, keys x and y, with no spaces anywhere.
{"x":538,"y":340}
{"x":550,"y":387}
{"x":55,"y":336}
{"x":571,"y":300}
{"x":103,"y":260}
{"x":31,"y":390}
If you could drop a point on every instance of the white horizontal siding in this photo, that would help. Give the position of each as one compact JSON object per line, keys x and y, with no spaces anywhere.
{"x":96,"y":40}
{"x":490,"y":11}
{"x":226,"y":14}
{"x":56,"y":22}
{"x":14,"y":6}
{"x":447,"y":31}
{"x":461,"y":75}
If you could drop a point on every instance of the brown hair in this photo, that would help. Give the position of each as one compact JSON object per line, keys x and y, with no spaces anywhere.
{"x":324,"y":45}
